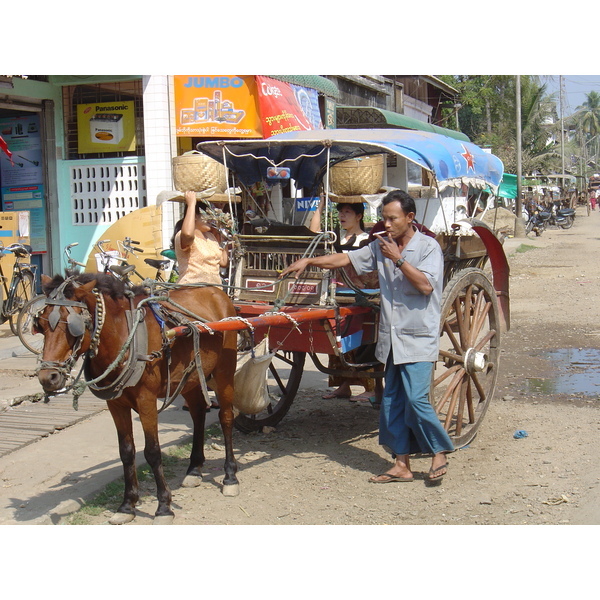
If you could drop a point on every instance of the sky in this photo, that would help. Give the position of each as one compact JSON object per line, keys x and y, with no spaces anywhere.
{"x":575,"y":89}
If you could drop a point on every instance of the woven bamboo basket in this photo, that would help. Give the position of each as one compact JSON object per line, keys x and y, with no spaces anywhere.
{"x":196,"y":172}
{"x":363,"y":175}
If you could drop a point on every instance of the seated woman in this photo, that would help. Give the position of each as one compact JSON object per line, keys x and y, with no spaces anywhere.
{"x":352,"y":235}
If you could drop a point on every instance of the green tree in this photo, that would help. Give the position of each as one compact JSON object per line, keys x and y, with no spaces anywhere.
{"x":587,"y":115}
{"x":584,"y":123}
{"x":488,"y":117}
{"x":479,"y":97}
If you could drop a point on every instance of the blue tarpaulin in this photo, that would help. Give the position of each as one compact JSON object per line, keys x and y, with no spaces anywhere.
{"x":452,"y":162}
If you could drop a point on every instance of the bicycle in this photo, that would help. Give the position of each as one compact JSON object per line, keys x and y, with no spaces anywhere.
{"x":123,"y":270}
{"x":14,"y":295}
{"x":32,"y":340}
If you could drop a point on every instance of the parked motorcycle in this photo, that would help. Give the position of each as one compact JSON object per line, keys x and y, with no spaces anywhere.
{"x":538,"y":220}
{"x":561,"y":217}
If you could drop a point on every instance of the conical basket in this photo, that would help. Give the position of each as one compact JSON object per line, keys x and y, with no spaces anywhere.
{"x":362,"y":175}
{"x":196,"y":172}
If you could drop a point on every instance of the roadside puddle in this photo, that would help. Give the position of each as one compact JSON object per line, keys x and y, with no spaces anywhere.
{"x":577,"y":372}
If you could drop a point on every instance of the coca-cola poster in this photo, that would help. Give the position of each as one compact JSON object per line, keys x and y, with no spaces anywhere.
{"x":285,"y":107}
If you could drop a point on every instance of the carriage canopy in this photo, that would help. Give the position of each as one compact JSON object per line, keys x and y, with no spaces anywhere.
{"x":453,"y":163}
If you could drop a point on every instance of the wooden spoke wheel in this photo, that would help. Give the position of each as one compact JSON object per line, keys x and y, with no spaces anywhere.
{"x":283,"y":380}
{"x":465,"y":375}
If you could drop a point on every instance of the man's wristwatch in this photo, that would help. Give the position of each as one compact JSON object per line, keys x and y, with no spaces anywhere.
{"x":400,"y":262}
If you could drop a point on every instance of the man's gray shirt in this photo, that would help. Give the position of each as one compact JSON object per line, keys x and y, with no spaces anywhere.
{"x":409,"y":322}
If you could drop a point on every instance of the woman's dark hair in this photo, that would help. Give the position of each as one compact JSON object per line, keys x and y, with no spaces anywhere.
{"x":176,"y":230}
{"x":358,"y":208}
{"x":407,"y":202}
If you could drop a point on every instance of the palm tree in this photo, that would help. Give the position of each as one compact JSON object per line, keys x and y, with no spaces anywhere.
{"x":588,"y":114}
{"x":586,"y":122}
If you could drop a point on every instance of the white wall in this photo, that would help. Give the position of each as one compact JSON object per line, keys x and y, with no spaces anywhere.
{"x":396,"y":177}
{"x":161,"y":145}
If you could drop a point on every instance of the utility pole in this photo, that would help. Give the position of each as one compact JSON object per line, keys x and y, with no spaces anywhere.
{"x":562,"y":135}
{"x":519,"y":229}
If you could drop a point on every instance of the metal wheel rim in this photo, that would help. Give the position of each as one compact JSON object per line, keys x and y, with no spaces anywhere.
{"x":33,"y":342}
{"x":20,"y":296}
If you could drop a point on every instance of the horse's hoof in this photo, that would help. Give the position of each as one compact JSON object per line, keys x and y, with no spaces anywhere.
{"x":191,"y":481}
{"x":120,"y":518}
{"x":231,"y":490}
{"x":164,"y":520}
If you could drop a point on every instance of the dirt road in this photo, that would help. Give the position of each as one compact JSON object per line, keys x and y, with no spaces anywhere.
{"x":313,"y":468}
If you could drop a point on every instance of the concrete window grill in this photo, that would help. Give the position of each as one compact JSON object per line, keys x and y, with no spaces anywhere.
{"x":103,"y":193}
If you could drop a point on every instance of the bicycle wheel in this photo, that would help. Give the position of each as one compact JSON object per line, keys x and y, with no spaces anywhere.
{"x":18,"y":296}
{"x":34,"y":342}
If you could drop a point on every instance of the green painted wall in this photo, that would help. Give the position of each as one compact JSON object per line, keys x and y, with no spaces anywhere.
{"x":63,"y":231}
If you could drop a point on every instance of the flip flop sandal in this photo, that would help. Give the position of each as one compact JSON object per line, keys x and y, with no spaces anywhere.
{"x":390,"y":478}
{"x":432,"y":473}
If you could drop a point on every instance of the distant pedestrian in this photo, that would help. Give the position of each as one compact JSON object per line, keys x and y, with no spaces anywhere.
{"x":593,"y":199}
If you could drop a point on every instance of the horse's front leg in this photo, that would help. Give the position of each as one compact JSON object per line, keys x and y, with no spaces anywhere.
{"x":149,"y":418}
{"x":230,"y":482}
{"x":197,"y":405}
{"x":122,"y":418}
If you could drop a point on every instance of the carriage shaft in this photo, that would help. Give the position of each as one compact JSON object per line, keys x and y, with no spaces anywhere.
{"x":271,"y":319}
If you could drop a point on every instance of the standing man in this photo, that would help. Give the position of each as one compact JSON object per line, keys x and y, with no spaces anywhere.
{"x":410,"y":266}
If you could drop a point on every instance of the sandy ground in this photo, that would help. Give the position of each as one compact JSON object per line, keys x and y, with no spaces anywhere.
{"x":313,"y":469}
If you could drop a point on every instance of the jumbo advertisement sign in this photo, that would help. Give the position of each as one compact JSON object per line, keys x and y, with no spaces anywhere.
{"x":225,"y":106}
{"x":222,"y":106}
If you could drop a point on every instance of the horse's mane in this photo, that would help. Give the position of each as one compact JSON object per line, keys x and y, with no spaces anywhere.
{"x":105,"y":283}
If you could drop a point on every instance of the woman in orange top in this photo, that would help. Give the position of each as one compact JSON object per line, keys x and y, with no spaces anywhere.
{"x":198,"y":250}
{"x":198,"y":246}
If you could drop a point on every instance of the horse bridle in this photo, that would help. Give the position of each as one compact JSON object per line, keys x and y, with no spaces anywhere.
{"x":77,"y":324}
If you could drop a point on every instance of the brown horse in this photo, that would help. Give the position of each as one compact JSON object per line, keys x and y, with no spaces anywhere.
{"x":93,"y":315}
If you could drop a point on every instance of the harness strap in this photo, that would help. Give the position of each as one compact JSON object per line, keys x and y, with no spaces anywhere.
{"x":136,"y":343}
{"x":132,"y":371}
{"x":64,"y":302}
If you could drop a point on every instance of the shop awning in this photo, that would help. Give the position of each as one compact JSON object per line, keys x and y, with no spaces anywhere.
{"x":508,"y":186}
{"x":366,"y":117}
{"x":315,"y":82}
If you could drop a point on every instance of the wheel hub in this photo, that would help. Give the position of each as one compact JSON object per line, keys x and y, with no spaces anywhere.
{"x":475,"y":362}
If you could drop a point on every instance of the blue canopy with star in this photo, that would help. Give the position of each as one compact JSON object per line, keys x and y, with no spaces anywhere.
{"x":453,"y":163}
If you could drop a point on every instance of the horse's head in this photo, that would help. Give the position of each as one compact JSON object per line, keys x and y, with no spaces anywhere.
{"x":66,"y":324}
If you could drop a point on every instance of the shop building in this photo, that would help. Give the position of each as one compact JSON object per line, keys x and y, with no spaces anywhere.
{"x":104,"y":144}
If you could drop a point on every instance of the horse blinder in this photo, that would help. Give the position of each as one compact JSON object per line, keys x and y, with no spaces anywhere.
{"x":77,"y":323}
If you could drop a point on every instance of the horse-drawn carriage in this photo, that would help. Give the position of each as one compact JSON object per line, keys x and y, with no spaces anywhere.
{"x":314,"y":315}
